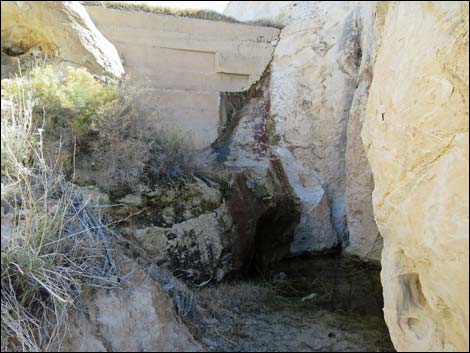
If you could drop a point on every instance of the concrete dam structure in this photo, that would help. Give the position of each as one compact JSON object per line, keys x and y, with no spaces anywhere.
{"x":185,"y":62}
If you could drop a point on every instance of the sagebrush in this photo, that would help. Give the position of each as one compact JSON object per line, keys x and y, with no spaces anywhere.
{"x":103,"y":131}
{"x":134,"y":152}
{"x":68,"y":97}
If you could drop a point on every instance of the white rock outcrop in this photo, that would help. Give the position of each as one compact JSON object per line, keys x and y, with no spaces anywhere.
{"x":315,"y":233}
{"x":316,"y":67}
{"x":312,"y":86}
{"x":364,"y":239}
{"x":57,"y":29}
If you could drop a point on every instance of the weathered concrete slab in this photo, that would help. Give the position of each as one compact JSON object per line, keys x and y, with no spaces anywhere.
{"x":186,"y":62}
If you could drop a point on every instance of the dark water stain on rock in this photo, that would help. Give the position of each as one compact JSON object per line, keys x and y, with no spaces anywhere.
{"x":265,"y":217}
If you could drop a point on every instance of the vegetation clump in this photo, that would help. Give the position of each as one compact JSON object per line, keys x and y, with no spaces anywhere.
{"x":67,"y":97}
{"x":101,"y":128}
{"x":131,"y":151}
{"x":54,"y":245}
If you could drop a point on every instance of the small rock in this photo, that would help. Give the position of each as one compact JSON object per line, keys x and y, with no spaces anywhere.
{"x":168,"y":215}
{"x":132,"y":200}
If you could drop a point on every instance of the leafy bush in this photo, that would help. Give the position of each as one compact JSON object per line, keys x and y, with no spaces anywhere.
{"x":69,"y":97}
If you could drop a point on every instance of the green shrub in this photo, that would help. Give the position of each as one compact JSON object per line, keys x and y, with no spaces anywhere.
{"x":83,"y":94}
{"x":69,"y":97}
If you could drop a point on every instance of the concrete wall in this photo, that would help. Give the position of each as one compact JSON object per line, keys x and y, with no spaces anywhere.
{"x":186,"y":62}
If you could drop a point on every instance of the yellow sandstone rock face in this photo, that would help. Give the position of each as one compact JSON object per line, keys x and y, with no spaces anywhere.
{"x":57,"y":29}
{"x":416,"y":138}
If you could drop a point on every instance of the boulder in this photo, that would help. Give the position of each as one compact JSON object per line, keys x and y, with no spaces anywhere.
{"x":139,"y":317}
{"x":167,"y":205}
{"x":253,"y":226}
{"x":60,"y":29}
{"x":192,"y":249}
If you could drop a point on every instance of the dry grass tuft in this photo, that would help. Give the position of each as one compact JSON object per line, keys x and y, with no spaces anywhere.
{"x":53,"y":246}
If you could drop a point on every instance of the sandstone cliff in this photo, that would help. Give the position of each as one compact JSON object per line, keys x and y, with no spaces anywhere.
{"x":416,"y":137}
{"x":413,"y":57}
